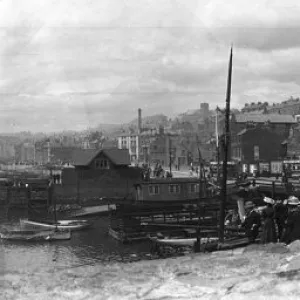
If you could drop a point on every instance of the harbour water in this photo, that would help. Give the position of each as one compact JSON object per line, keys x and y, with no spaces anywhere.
{"x":88,"y":247}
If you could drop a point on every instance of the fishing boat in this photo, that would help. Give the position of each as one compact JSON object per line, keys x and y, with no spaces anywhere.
{"x":35,"y":235}
{"x":72,"y":225}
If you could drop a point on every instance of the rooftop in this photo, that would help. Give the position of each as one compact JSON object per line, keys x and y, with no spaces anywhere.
{"x":261,"y":118}
{"x":118,"y":157}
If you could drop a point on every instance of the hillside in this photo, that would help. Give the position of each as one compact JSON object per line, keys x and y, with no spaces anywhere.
{"x":154,"y":121}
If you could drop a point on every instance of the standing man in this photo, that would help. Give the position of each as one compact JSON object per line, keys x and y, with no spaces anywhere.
{"x":268,"y":214}
{"x":292,"y":223}
{"x":281,"y":212}
{"x":251,"y":222}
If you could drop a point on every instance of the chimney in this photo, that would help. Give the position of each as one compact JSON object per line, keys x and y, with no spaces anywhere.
{"x":138,"y":144}
{"x":139,"y":121}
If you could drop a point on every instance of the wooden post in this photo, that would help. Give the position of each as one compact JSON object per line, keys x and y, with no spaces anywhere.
{"x":78,"y":187}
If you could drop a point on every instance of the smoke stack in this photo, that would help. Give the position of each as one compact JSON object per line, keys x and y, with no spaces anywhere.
{"x":139,"y":121}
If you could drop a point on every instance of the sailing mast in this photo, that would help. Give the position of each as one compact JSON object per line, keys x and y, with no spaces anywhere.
{"x":225,"y":158}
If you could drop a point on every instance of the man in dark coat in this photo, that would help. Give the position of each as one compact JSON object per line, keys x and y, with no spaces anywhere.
{"x":281,"y":212}
{"x":292,"y":223}
{"x":252,"y":221}
{"x":269,"y":230}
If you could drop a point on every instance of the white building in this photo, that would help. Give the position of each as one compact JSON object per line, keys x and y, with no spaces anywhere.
{"x":130,"y":142}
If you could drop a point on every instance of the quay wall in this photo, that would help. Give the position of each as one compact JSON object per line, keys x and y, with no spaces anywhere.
{"x":19,"y":196}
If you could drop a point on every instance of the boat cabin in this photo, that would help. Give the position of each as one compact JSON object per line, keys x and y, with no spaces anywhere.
{"x":169,"y":190}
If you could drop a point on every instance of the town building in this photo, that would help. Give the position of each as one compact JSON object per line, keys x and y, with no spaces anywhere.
{"x":288,"y":107}
{"x":258,"y":148}
{"x":282,"y":124}
{"x":99,"y":173}
{"x":24,"y":152}
{"x":259,"y":107}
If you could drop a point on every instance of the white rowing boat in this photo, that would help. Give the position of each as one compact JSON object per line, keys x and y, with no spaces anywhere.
{"x":182,"y":241}
{"x":60,"y":224}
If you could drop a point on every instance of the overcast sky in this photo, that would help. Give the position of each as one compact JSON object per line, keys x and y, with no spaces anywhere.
{"x":75,"y":63}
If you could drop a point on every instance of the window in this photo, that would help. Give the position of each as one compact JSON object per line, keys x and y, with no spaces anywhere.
{"x":194,"y":188}
{"x":239,"y":152}
{"x":153,"y":189}
{"x":101,"y":164}
{"x":174,"y":189}
{"x":256,"y":152}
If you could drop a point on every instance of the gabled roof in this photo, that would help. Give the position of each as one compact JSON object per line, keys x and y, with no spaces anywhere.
{"x":262,"y":118}
{"x":118,"y":157}
{"x":83,"y":157}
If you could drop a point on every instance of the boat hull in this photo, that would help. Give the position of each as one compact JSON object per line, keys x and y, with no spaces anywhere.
{"x":94,"y":210}
{"x":72,"y":225}
{"x":182,"y":242}
{"x":126,"y":237}
{"x":34,"y":235}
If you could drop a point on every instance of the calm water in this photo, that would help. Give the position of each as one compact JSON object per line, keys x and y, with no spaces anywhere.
{"x":88,"y":247}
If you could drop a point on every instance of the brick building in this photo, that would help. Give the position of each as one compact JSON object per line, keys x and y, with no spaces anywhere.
{"x":257,"y":147}
{"x":282,"y":124}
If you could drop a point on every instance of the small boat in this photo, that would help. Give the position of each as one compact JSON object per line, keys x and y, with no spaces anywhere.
{"x":35,"y":235}
{"x":182,"y":241}
{"x":126,"y":237}
{"x":93,"y":210}
{"x":60,"y":224}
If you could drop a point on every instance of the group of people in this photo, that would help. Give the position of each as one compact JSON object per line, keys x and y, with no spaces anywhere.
{"x":278,"y":220}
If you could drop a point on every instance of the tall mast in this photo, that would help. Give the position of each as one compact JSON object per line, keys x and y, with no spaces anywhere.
{"x":226,"y":145}
{"x":170,"y":154}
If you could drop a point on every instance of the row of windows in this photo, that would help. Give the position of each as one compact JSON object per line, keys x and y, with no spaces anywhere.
{"x":173,"y":189}
{"x":132,"y":138}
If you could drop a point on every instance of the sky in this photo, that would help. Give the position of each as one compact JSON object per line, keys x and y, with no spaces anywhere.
{"x":69,"y":65}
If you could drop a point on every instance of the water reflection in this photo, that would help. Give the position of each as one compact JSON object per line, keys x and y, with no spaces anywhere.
{"x":88,"y":247}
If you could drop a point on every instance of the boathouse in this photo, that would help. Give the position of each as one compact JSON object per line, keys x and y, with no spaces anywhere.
{"x":99,"y":173}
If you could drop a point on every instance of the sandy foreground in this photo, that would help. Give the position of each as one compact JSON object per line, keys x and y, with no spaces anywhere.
{"x":255,"y":272}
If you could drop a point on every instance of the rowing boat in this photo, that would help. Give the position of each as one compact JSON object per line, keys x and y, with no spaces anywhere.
{"x":182,"y":241}
{"x":60,"y":224}
{"x":35,"y":235}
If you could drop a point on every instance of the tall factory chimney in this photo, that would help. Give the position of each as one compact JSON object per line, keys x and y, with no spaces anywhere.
{"x":139,"y":121}
{"x":138,"y":144}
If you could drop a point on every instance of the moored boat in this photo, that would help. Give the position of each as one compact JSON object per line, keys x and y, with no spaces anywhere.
{"x":35,"y":235}
{"x":60,"y":224}
{"x":126,"y":237}
{"x":93,"y":210}
{"x":183,"y":241}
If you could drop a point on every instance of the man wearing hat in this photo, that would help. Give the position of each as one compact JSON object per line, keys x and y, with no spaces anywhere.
{"x":269,"y":231}
{"x":292,"y":224}
{"x":281,"y":211}
{"x":251,"y":222}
